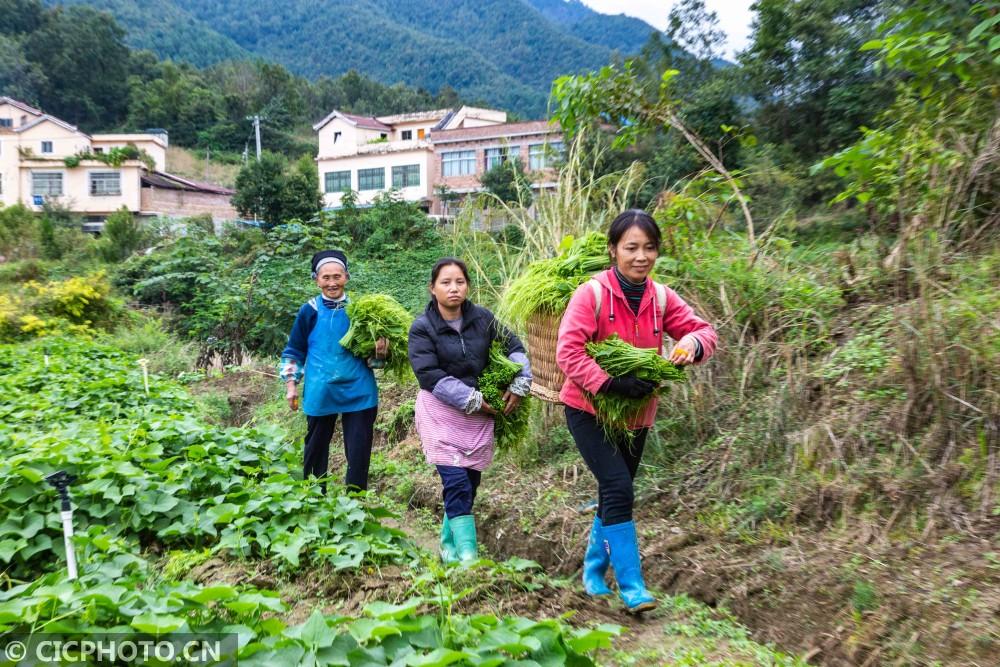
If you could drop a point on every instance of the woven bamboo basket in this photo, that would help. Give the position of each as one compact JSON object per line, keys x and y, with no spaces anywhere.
{"x":543,"y":332}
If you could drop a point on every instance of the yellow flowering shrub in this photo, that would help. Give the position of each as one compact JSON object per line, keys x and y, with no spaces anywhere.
{"x":74,"y":306}
{"x":82,"y":300}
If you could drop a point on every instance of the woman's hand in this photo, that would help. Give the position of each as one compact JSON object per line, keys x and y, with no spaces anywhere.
{"x":382,"y":348}
{"x":487,"y":409}
{"x":292,"y":396}
{"x":683,"y":353}
{"x":511,"y":401}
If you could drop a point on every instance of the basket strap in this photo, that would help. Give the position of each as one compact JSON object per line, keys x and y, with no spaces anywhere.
{"x":596,"y":287}
{"x":661,"y":297}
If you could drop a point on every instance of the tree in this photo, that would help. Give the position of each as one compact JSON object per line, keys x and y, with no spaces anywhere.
{"x":272,"y":192}
{"x":18,"y":17}
{"x":508,"y":182}
{"x":260,"y":189}
{"x":303,"y":200}
{"x":83,"y":55}
{"x":122,"y":236}
{"x":178,"y":99}
{"x":621,"y":96}
{"x":19,"y":77}
{"x":805,"y":70}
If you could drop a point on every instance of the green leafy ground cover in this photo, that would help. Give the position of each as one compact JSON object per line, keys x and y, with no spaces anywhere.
{"x":148,"y":474}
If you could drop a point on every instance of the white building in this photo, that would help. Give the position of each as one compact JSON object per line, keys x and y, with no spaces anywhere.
{"x":45,"y":159}
{"x":373,"y":154}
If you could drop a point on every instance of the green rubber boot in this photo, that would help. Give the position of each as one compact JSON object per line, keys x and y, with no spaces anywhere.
{"x":449,"y":554}
{"x":464,"y":530}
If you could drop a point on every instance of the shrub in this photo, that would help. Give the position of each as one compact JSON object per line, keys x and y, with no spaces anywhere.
{"x":122,"y":236}
{"x":19,"y":232}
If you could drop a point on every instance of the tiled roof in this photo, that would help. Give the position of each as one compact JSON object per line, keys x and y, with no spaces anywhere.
{"x":415,"y":116}
{"x":45,"y":117}
{"x":20,"y":105}
{"x":161,"y":179}
{"x":366,"y":122}
{"x":495,"y":131}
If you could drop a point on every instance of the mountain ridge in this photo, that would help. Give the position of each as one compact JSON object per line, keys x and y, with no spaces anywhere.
{"x":503,"y":53}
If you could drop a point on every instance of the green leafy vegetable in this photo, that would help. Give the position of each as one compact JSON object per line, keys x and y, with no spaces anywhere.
{"x":509,"y":430}
{"x":375,"y":316}
{"x":618,"y":358}
{"x":547,"y":285}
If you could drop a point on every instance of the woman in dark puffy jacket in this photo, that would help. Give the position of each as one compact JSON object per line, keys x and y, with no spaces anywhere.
{"x":449,"y":346}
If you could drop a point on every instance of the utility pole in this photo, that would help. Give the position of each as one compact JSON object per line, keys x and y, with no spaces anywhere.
{"x":256,"y":130}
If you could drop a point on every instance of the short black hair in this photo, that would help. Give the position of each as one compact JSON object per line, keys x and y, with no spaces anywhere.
{"x":449,"y":261}
{"x":634,"y":217}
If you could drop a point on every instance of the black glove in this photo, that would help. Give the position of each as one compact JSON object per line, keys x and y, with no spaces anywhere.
{"x":629,"y":386}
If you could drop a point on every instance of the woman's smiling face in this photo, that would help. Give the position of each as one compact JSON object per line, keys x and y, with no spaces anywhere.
{"x":635,"y":254}
{"x":331,"y":279}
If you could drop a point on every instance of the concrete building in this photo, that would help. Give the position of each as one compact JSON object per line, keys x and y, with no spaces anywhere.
{"x":44,"y":159}
{"x":426,"y":154}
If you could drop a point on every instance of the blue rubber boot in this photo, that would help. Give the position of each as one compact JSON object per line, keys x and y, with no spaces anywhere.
{"x":449,"y":554}
{"x":595,"y":562}
{"x":464,"y":530}
{"x":624,"y":546}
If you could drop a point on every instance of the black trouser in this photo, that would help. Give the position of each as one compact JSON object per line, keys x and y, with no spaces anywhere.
{"x":459,"y":492}
{"x":613,"y":463}
{"x":359,"y":430}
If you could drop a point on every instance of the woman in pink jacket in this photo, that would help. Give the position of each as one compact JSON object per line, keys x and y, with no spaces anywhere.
{"x":624,"y":301}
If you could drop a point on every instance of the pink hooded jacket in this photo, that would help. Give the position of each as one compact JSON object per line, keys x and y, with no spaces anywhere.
{"x":580,"y":325}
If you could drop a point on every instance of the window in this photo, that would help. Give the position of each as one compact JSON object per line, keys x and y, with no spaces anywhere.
{"x":105,"y":183}
{"x":338,"y":181}
{"x":1,"y":184}
{"x":6,"y":122}
{"x":371,"y":179}
{"x":383,"y":135}
{"x":458,"y":163}
{"x":406,"y":135}
{"x":46,"y":184}
{"x":98,"y":149}
{"x":336,"y":137}
{"x":46,"y":147}
{"x":497,"y":156}
{"x":406,"y":177}
{"x":542,"y":156}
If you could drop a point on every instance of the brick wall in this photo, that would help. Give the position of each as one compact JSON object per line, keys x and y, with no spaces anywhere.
{"x":465,"y":183}
{"x":184,"y":203}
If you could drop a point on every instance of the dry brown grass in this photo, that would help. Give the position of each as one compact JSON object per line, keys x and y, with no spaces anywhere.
{"x":188,"y":164}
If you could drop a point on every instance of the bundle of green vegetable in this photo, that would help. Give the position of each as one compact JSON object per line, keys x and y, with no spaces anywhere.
{"x":509,"y":431}
{"x":375,"y":316}
{"x":618,"y":358}
{"x":547,"y":285}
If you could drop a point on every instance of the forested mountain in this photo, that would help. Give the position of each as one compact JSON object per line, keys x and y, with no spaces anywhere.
{"x":621,"y":33}
{"x":503,"y":52}
{"x":167,"y":30}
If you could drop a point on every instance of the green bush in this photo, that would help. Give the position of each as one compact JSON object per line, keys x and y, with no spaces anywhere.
{"x":122,"y":236}
{"x":20,"y":234}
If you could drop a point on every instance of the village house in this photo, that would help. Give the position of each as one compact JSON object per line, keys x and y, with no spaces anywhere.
{"x":433,"y":158}
{"x":45,"y":159}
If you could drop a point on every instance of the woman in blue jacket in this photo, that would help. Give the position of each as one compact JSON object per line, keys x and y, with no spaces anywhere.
{"x":335,"y":381}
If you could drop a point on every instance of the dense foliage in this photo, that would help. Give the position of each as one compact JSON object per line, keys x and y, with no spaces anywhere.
{"x":240,"y":292}
{"x":76,"y":63}
{"x":501,"y":51}
{"x":509,"y":431}
{"x":145,"y":476}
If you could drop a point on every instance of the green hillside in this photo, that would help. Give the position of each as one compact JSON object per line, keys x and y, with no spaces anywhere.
{"x":501,"y":52}
{"x":167,"y":30}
